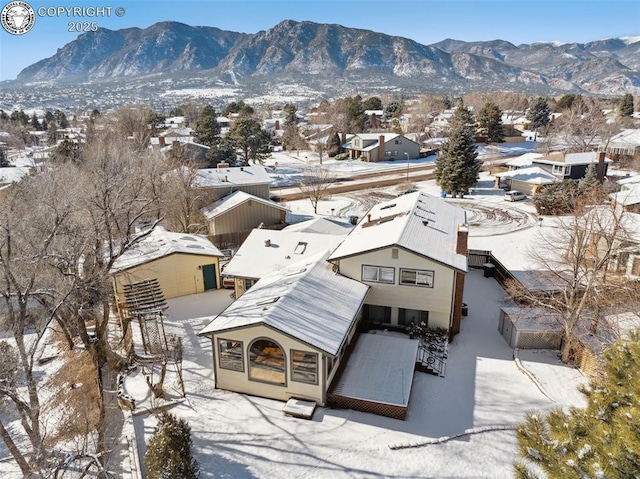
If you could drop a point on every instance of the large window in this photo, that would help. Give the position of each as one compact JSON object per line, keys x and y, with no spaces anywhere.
{"x":304,"y":367}
{"x":377,"y":314}
{"x":561,"y":170}
{"x":230,"y":355}
{"x":408,"y":316}
{"x":416,"y":277}
{"x":267,"y":362}
{"x":378,"y":274}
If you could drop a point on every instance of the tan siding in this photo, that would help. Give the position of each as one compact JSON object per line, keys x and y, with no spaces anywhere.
{"x":178,"y":274}
{"x":245,"y":217}
{"x":240,"y":382}
{"x":436,"y":300}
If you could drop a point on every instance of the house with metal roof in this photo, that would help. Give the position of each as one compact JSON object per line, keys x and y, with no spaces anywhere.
{"x":373,"y":147}
{"x":241,"y":212}
{"x":223,"y":181}
{"x":412,"y":252}
{"x":287,"y":336}
{"x":182,"y":263}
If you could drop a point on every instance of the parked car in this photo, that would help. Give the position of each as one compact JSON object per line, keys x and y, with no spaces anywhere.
{"x":514,"y":195}
{"x":228,"y":282}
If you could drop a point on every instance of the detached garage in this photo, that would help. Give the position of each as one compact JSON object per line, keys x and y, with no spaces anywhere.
{"x":529,"y":328}
{"x":182,"y":263}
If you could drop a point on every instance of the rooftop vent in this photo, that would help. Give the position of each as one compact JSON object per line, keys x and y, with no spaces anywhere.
{"x":267,"y":242}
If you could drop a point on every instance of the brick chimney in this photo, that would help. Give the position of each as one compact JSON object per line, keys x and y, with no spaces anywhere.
{"x":600,"y":166}
{"x":343,"y":138}
{"x":381,"y":148}
{"x":161,"y":141}
{"x":461,"y":240}
{"x":277,"y":124}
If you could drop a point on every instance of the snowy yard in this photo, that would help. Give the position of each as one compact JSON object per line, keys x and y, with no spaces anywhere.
{"x":238,"y":436}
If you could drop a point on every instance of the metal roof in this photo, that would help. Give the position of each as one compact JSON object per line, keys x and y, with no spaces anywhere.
{"x":423,"y":224}
{"x":239,"y":175}
{"x":236,"y":199}
{"x":306,"y":301}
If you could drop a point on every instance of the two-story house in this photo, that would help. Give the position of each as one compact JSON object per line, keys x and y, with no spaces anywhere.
{"x":374,"y":147}
{"x":412,"y":252}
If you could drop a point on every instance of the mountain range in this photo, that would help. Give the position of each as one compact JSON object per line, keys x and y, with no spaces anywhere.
{"x":321,"y":54}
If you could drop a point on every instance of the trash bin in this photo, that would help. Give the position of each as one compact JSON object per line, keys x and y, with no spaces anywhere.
{"x":465,"y":309}
{"x":489,"y":270}
{"x":443,"y":194}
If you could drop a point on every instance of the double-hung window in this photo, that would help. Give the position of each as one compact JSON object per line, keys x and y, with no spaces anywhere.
{"x":378,"y":274}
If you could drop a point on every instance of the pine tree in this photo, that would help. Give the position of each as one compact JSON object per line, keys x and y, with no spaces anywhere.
{"x":457,"y":165}
{"x":207,"y":130}
{"x":626,"y":106}
{"x":590,"y":179}
{"x":168,"y":453}
{"x":601,"y":440}
{"x":538,"y":114}
{"x":249,"y":139}
{"x":291,"y":139}
{"x":334,"y":145}
{"x":490,"y":123}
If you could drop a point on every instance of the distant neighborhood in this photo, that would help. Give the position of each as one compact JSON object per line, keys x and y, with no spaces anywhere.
{"x":112,"y":222}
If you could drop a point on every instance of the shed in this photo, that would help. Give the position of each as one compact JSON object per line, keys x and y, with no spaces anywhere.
{"x":529,"y":328}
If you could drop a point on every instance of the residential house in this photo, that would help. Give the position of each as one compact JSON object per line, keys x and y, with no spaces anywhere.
{"x":627,"y":142}
{"x":266,"y":251}
{"x":182,"y":263}
{"x":549,"y":169}
{"x":191,"y":151}
{"x":223,"y":181}
{"x":287,"y":336}
{"x":240,"y":211}
{"x":629,"y":195}
{"x":374,"y":147}
{"x":412,"y":251}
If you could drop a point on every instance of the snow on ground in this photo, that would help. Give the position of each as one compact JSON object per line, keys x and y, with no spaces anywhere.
{"x":240,"y":436}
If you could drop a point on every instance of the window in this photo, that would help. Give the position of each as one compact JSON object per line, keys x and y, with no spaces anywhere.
{"x":230,"y":355}
{"x":248,"y":283}
{"x":408,"y":316}
{"x":398,"y":142}
{"x":377,"y":314}
{"x":304,"y":367}
{"x":560,"y":170}
{"x":416,"y":277}
{"x":391,"y":153}
{"x":267,"y":362}
{"x":378,"y":274}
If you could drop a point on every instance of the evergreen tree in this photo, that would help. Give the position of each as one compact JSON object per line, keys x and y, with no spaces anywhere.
{"x":291,"y":139}
{"x":207,"y":130}
{"x":168,"y":454}
{"x":590,"y":179}
{"x":248,"y":138}
{"x":490,"y":123}
{"x":538,"y":114}
{"x":372,"y":103}
{"x":224,"y":152}
{"x":457,"y":165}
{"x":35,"y":123}
{"x":238,"y":107}
{"x":334,"y":145}
{"x":60,"y":119}
{"x":462,"y":117}
{"x":626,"y":106}
{"x":600,"y":440}
{"x":4,"y":161}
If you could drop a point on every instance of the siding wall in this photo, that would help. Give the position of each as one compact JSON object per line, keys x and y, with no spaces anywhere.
{"x":239,"y":381}
{"x":261,"y":191}
{"x":178,"y":274}
{"x":436,"y":300}
{"x":245,"y":217}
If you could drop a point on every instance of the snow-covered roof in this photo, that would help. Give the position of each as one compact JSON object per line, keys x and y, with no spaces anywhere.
{"x":160,"y":243}
{"x":306,"y":301}
{"x":524,"y":160}
{"x":630,"y":180}
{"x":236,"y":199}
{"x":630,"y":137}
{"x":322,"y":226}
{"x":376,"y":136}
{"x":534,"y":175}
{"x":584,"y":158}
{"x":11,"y":174}
{"x":371,"y":376}
{"x":239,"y":175}
{"x":417,"y":222}
{"x":627,"y":197}
{"x":254,"y":259}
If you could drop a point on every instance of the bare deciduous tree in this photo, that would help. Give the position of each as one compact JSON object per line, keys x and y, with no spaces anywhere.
{"x":315,"y":184}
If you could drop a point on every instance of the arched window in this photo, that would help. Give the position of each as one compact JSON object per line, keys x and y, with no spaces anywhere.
{"x":267,"y":362}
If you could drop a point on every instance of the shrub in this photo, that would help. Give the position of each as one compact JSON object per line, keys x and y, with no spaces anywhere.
{"x":169,"y":451}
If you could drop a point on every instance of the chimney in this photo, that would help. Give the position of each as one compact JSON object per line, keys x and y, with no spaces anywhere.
{"x":267,"y":242}
{"x":343,"y":138}
{"x":161,"y":141}
{"x":277,"y":124}
{"x":369,"y":218}
{"x":222,"y":165}
{"x":600,"y":167}
{"x":381,"y":148}
{"x":461,"y":241}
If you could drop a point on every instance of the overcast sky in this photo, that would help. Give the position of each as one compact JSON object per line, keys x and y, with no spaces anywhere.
{"x":424,"y":21}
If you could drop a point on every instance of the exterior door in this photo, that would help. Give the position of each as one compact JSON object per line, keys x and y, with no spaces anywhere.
{"x":209,"y":276}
